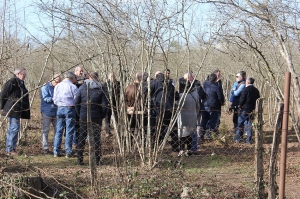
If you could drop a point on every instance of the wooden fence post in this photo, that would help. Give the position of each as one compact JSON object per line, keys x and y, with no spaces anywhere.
{"x":259,"y":170}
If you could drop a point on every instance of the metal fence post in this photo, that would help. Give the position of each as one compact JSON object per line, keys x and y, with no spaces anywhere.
{"x":285,"y":122}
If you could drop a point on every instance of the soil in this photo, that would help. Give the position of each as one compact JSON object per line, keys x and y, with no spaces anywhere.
{"x":221,"y":170}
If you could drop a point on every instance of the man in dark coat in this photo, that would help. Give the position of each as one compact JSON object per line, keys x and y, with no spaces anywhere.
{"x":247,"y":105}
{"x":14,"y":101}
{"x":163,"y":96}
{"x":212,"y":103}
{"x":80,"y":77}
{"x":98,"y":108}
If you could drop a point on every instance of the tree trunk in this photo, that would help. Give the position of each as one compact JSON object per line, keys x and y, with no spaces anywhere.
{"x":285,"y":54}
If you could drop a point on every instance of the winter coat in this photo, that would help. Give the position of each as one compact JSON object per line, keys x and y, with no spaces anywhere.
{"x":47,"y":105}
{"x":187,"y":118}
{"x":12,"y":91}
{"x":248,"y":98}
{"x":163,"y":94}
{"x":214,"y":97}
{"x":98,"y":100}
{"x":236,"y":91}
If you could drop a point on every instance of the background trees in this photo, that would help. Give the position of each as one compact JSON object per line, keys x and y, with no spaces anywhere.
{"x":260,"y":37}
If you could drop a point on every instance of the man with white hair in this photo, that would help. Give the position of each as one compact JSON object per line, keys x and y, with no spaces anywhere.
{"x":79,"y":75}
{"x":14,"y":101}
{"x":64,"y":98}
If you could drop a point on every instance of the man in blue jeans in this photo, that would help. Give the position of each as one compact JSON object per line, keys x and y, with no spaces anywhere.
{"x":14,"y":101}
{"x":236,"y":91}
{"x":98,"y":103}
{"x":246,"y":105}
{"x":48,"y":110}
{"x":64,"y":98}
{"x":212,"y":105}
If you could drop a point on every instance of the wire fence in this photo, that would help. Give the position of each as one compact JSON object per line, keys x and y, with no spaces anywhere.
{"x":135,"y":160}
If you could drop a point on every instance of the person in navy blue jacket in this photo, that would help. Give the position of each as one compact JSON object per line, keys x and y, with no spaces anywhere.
{"x":214,"y":99}
{"x":163,"y":96}
{"x":99,"y":105}
{"x":48,"y":110}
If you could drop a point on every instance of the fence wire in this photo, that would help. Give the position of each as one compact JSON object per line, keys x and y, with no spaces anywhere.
{"x":138,"y":160}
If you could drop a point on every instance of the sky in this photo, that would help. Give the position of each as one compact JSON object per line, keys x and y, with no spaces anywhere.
{"x":28,"y":16}
{"x":21,"y":19}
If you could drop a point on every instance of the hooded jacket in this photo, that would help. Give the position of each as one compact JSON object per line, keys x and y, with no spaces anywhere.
{"x":98,"y":100}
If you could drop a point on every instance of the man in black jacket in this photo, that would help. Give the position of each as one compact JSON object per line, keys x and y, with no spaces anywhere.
{"x":247,"y":105}
{"x":163,"y":96}
{"x":98,"y":108}
{"x":14,"y":101}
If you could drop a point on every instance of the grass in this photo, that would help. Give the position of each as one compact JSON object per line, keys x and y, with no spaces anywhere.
{"x":200,"y":173}
{"x":223,"y":170}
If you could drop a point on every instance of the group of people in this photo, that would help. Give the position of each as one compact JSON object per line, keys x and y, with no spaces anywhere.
{"x":64,"y":105}
{"x":198,"y":107}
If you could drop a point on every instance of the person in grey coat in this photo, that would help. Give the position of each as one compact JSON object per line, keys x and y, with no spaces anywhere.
{"x":187,"y":118}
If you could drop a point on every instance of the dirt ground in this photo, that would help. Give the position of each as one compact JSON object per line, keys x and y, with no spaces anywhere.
{"x":220,"y":171}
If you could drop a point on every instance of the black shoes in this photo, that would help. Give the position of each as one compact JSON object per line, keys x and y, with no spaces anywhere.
{"x":47,"y":152}
{"x":80,"y":163}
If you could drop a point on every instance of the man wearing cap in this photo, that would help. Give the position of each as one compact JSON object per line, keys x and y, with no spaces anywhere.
{"x":236,"y":91}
